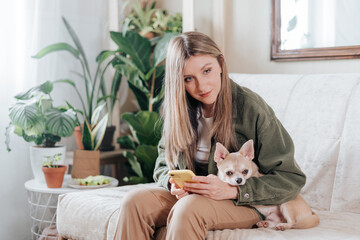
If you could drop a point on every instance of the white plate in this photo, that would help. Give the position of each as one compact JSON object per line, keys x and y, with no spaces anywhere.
{"x":75,"y":184}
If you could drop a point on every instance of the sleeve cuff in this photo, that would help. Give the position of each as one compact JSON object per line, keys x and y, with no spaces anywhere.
{"x":244,"y":196}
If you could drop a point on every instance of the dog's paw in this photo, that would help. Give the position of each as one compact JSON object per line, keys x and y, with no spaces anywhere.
{"x":282,"y":226}
{"x":262,"y":224}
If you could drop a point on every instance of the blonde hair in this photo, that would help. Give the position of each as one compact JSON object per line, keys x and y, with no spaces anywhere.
{"x":180,"y":109}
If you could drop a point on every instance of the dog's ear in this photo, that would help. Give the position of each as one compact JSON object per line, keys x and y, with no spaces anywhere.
{"x":247,"y":150}
{"x":220,"y":152}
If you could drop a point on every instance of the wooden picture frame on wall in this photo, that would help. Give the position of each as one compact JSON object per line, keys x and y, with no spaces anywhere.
{"x":324,"y":53}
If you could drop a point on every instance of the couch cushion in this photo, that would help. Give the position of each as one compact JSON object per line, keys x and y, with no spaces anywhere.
{"x":86,"y":214}
{"x":333,"y":226}
{"x":346,"y":194}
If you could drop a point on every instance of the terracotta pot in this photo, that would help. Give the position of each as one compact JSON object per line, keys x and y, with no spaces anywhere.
{"x":54,"y":176}
{"x":149,"y":35}
{"x":86,"y":163}
{"x":78,"y":137}
{"x":37,"y":157}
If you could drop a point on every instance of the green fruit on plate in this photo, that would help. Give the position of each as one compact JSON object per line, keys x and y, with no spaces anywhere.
{"x":93,"y":180}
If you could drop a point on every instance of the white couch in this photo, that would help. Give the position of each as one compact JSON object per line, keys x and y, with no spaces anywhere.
{"x":321,"y":113}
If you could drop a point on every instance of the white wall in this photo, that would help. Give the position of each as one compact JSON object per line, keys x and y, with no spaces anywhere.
{"x":248,"y":39}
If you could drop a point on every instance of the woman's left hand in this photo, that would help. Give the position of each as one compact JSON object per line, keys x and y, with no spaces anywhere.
{"x":212,"y":187}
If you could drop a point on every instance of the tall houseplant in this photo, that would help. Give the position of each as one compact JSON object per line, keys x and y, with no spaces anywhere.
{"x":34,"y":118}
{"x":94,"y":85}
{"x":143,"y":67}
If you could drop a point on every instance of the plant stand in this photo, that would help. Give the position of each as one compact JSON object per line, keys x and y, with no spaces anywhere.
{"x":43,"y":203}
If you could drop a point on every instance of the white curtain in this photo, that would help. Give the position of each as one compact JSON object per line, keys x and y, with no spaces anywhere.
{"x":26,"y":27}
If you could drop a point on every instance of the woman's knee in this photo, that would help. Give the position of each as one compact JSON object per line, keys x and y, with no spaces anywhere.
{"x":133,"y":199}
{"x":188,"y":209}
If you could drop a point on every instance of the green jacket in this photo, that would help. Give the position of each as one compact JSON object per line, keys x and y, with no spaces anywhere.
{"x":274,"y":153}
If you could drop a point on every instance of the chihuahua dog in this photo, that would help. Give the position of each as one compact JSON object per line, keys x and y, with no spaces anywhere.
{"x":236,"y":168}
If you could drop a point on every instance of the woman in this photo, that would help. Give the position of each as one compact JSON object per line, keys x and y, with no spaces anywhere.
{"x":203,"y":106}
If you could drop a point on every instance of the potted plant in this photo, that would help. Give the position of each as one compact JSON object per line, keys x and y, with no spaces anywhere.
{"x":34,"y":118}
{"x":54,"y":173}
{"x":140,"y":59}
{"x":94,"y":85}
{"x":87,"y":161}
{"x":149,"y":21}
{"x":142,"y":65}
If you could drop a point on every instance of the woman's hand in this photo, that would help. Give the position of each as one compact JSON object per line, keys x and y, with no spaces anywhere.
{"x":212,"y":187}
{"x":175,"y":190}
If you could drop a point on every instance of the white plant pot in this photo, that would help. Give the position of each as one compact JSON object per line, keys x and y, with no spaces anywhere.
{"x":38,"y":156}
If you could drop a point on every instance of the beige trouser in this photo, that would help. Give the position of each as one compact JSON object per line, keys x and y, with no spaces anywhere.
{"x":148,"y":213}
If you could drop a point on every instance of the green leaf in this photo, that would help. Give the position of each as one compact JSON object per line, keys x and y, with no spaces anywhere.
{"x":99,"y":132}
{"x":96,"y":114}
{"x":61,"y":123}
{"x":147,"y":155}
{"x":77,"y":43}
{"x":87,"y":138}
{"x":45,"y":104}
{"x":9,"y":129}
{"x":104,"y":55}
{"x":68,"y":81}
{"x":24,"y":114}
{"x":45,"y":88}
{"x":159,"y":97}
{"x":135,"y":165}
{"x":126,"y":142}
{"x":37,"y":129}
{"x":145,"y":126}
{"x":141,"y":97}
{"x":161,"y":47}
{"x":136,"y":46}
{"x":55,"y":48}
{"x":115,"y":86}
{"x":128,"y":64}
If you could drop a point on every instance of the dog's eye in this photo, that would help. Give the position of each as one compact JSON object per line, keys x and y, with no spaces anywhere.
{"x":245,"y":172}
{"x":229,"y":173}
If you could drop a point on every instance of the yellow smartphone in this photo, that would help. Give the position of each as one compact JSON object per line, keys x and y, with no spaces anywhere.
{"x":181,"y":176}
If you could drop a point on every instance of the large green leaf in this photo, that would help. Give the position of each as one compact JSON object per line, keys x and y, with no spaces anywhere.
{"x":161,"y":47}
{"x":135,"y":165}
{"x":37,"y":129}
{"x":145,"y":126}
{"x":96,"y":114}
{"x":104,"y":55}
{"x":55,"y":48}
{"x":126,"y":142}
{"x":45,"y":88}
{"x":99,"y":132}
{"x":146,"y":155}
{"x":87,"y":138}
{"x":61,"y":123}
{"x":24,"y":114}
{"x":133,"y":77}
{"x":136,"y":46}
{"x":115,"y":86}
{"x":76,"y":40}
{"x":141,"y":97}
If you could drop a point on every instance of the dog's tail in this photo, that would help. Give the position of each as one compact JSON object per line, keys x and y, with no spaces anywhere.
{"x":307,"y":222}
